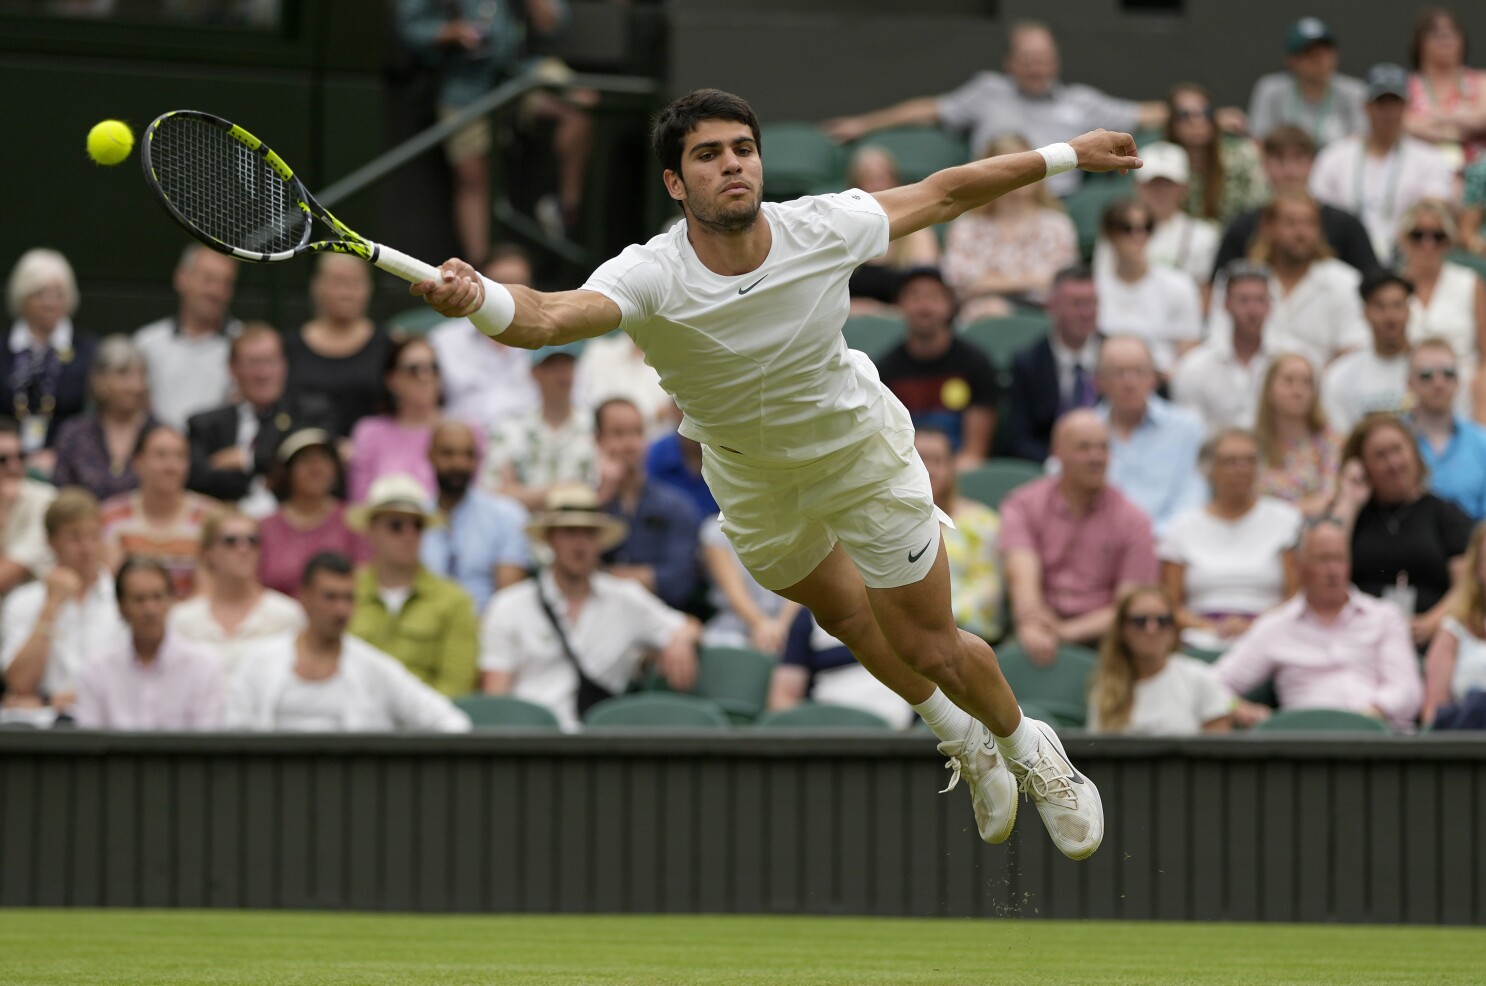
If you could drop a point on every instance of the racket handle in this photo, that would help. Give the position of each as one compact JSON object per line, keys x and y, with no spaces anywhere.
{"x":408,"y":268}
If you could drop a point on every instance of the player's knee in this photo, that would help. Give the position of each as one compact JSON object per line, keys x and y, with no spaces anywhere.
{"x":849,"y":625}
{"x":938,"y":658}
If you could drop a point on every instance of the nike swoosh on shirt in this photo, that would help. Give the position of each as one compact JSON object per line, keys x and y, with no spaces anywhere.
{"x":752,"y":286}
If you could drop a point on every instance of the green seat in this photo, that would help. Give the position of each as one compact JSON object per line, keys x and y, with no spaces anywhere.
{"x":1321,"y":721}
{"x":1062,"y":687}
{"x":991,"y":482}
{"x":1002,"y":338}
{"x":414,"y":321}
{"x":799,"y":159}
{"x":656,"y":710}
{"x":505,"y":712}
{"x":736,"y":678}
{"x":1086,"y":207}
{"x":1208,"y":655}
{"x":873,"y":334}
{"x":919,"y":151}
{"x":1467,"y":259}
{"x":819,"y":715}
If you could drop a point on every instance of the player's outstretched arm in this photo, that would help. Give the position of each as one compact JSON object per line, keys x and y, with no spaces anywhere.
{"x":530,"y":320}
{"x":953,"y":192}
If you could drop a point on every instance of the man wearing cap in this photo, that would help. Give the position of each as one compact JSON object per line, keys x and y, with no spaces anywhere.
{"x":943,"y":380}
{"x":610,"y":625}
{"x":482,"y":543}
{"x":486,"y":381}
{"x":1179,"y":240}
{"x":233,"y":446}
{"x":426,"y":622}
{"x":1310,"y":93}
{"x":1381,"y":173}
{"x":527,"y":455}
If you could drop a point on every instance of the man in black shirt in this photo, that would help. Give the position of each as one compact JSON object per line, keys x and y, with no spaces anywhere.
{"x":943,"y":380}
{"x":1289,"y":153}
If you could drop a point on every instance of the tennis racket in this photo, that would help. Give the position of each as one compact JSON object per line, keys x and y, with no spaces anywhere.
{"x":229,"y":190}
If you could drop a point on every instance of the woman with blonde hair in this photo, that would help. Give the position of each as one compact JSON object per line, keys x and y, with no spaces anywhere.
{"x":1143,"y":685}
{"x":874,"y":285}
{"x":1449,"y":299}
{"x":1456,"y":662}
{"x":1300,"y":450}
{"x":1007,"y":252}
{"x":235,"y":610}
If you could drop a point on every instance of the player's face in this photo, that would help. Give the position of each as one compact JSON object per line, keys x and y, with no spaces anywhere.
{"x":721,"y":184}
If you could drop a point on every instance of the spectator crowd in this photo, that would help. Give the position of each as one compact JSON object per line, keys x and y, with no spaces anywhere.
{"x":1250,"y":441}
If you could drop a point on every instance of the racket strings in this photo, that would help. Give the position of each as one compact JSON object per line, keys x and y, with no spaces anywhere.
{"x":226,"y":189}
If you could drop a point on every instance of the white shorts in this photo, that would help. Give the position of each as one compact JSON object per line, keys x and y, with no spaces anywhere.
{"x":873,"y":496}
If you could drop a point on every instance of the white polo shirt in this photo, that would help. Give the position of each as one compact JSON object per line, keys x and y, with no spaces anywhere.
{"x":82,"y":630}
{"x":757,"y":362}
{"x":1320,"y":318}
{"x":1379,"y":190}
{"x":619,"y":622}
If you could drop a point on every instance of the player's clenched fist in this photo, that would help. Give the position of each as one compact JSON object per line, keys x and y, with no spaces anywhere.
{"x":456,"y":294}
{"x":1105,"y":150}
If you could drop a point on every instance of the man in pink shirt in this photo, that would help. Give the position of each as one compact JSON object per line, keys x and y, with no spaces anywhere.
{"x":157,"y":682}
{"x":1073,"y":543}
{"x":1331,"y":646}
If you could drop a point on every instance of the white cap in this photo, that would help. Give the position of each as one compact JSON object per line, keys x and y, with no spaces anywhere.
{"x":1164,"y":160}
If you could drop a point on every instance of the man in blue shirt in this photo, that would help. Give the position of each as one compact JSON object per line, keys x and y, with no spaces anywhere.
{"x":661,"y":550}
{"x":1153,"y":444}
{"x":1453,"y":448}
{"x":483,"y":544}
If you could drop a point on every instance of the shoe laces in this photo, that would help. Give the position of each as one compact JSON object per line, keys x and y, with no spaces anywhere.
{"x":1043,"y":781}
{"x":953,"y":764}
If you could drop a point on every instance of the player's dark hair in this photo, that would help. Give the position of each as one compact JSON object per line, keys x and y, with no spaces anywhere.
{"x":141,"y":563}
{"x":598,"y":412}
{"x":326,"y":561}
{"x":682,"y":116}
{"x":1379,"y":278}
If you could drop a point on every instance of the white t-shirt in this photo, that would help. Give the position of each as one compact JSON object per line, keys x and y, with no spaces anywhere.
{"x":1379,"y":190}
{"x":1363,"y":382}
{"x":1319,"y":318}
{"x":188,"y":374}
{"x":1451,"y":313}
{"x":485,"y":382}
{"x":757,"y":362}
{"x":1233,"y":566}
{"x":1162,"y":308}
{"x":1470,"y":660}
{"x":82,"y":630}
{"x":1176,"y":701}
{"x":1210,"y":380}
{"x":618,"y":623}
{"x":313,"y":706}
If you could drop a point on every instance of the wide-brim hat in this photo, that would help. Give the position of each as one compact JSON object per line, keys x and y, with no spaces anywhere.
{"x":574,"y":505}
{"x":397,"y":493}
{"x":297,"y":441}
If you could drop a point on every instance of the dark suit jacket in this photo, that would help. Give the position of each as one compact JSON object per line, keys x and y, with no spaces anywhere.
{"x":1033,"y":402}
{"x":211,"y":431}
{"x":72,"y":383}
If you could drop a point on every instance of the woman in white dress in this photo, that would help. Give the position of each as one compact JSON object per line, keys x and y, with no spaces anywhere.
{"x":1449,"y":299}
{"x":1232,"y":559}
{"x":1143,"y":686}
{"x":1456,"y":662}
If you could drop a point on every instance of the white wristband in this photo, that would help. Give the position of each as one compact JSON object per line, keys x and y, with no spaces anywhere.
{"x":1059,"y":158}
{"x":497,"y":310}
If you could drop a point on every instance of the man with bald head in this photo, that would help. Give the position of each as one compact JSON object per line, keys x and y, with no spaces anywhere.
{"x":1330,"y":646}
{"x":1029,"y":99}
{"x":482,"y":545}
{"x":1153,"y":444}
{"x":1073,"y":543}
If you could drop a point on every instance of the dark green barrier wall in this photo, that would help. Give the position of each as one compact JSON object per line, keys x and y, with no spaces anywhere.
{"x":1268,"y":829}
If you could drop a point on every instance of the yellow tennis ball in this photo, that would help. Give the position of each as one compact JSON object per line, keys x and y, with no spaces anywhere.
{"x":110,"y":142}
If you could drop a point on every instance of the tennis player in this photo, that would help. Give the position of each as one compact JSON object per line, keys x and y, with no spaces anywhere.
{"x":811,"y":459}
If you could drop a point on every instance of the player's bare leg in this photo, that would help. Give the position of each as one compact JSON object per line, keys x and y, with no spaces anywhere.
{"x":835,"y":593}
{"x":918,"y":624}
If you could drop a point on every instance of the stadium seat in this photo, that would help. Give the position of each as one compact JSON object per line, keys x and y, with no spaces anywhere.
{"x":505,"y":712}
{"x":991,"y":482}
{"x":1208,"y":655}
{"x":656,"y":710}
{"x":819,"y":715}
{"x":1062,"y":688}
{"x":736,"y":678}
{"x":1003,"y":338}
{"x":413,"y":322}
{"x":800,"y":159}
{"x":1086,"y":205}
{"x":919,"y":151}
{"x":1467,"y":259}
{"x":873,"y":334}
{"x":1321,"y":721}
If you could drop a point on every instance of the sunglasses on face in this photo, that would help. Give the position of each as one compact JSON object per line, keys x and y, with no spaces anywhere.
{"x":1151,"y":621}
{"x":10,"y":458}
{"x":1428,"y":373}
{"x":1437,"y":236}
{"x":238,"y":540}
{"x":399,"y":525}
{"x":419,"y":369}
{"x":1130,"y":229}
{"x":1190,"y":114}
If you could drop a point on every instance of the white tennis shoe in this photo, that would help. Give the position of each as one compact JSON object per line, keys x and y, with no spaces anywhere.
{"x":992,"y":788}
{"x":1067,"y":801}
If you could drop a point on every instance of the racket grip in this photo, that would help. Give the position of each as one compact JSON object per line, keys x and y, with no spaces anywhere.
{"x":408,"y":268}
